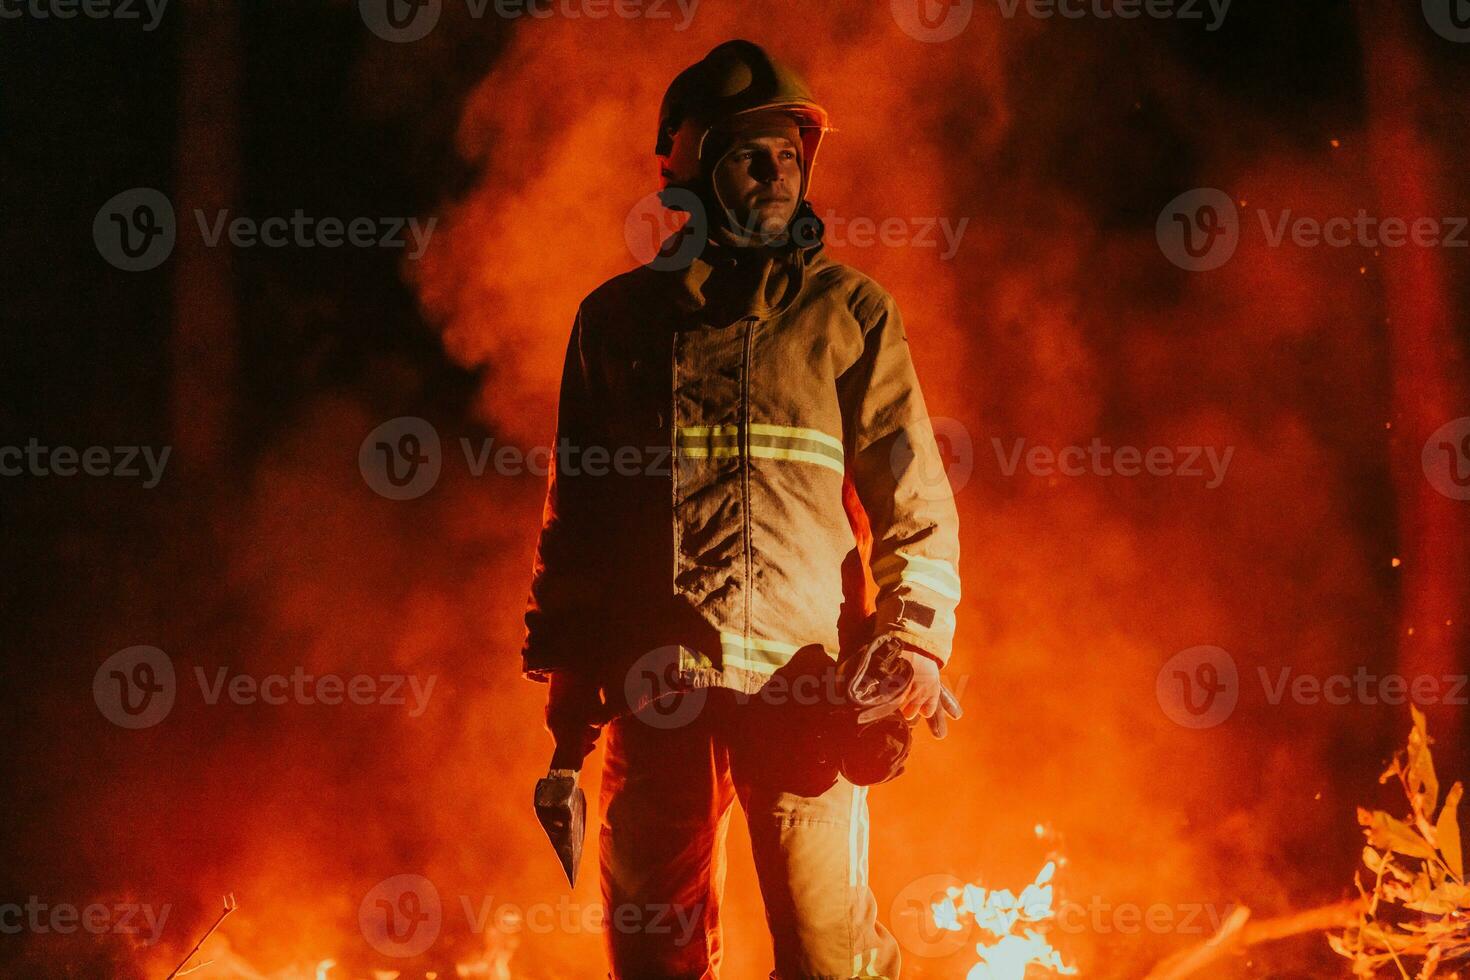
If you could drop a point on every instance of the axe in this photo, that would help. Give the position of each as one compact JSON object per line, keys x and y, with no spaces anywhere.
{"x":561,"y":806}
{"x":575,"y":715}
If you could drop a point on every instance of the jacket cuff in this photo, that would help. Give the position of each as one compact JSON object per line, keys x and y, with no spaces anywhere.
{"x":912,"y":623}
{"x":540,"y":659}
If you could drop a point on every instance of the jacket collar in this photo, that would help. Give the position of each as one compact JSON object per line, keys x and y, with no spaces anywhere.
{"x":726,"y":282}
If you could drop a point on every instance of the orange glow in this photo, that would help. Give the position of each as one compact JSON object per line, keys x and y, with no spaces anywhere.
{"x":1056,"y":321}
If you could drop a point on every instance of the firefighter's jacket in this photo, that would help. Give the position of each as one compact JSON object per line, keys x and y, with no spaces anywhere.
{"x":716,"y":425}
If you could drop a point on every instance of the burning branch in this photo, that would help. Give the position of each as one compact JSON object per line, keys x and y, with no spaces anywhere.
{"x":1238,"y":934}
{"x":1419,"y":907}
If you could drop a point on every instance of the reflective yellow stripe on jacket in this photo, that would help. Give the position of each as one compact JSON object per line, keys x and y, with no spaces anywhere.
{"x":759,"y":656}
{"x":931,"y":573}
{"x":767,"y":441}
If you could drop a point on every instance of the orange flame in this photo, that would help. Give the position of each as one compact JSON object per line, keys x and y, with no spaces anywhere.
{"x":999,"y":913}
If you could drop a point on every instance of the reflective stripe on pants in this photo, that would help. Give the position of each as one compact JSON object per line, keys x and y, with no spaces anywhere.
{"x":666,"y":795}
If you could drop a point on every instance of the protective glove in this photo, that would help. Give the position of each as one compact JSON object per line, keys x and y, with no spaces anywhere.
{"x":874,"y":737}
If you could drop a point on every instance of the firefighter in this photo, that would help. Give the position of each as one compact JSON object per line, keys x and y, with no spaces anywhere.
{"x":741,"y":440}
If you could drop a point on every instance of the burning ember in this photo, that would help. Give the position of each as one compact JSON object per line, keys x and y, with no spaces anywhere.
{"x":999,"y":913}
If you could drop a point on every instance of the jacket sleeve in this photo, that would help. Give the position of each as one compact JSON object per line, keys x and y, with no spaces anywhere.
{"x":562,"y":603}
{"x":900,"y":478}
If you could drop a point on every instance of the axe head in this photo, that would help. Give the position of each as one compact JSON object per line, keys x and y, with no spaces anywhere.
{"x":561,"y":806}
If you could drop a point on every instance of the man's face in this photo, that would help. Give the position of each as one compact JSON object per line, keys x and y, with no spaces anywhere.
{"x":759,"y":181}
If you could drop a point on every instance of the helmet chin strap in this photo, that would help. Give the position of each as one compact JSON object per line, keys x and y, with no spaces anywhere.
{"x":744,"y":230}
{"x":731,"y":222}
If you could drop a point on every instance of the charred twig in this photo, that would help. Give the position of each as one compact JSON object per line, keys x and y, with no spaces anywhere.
{"x":178,"y":971}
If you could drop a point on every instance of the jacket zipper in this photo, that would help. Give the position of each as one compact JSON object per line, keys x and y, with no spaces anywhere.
{"x":745,"y":469}
{"x":674,"y":468}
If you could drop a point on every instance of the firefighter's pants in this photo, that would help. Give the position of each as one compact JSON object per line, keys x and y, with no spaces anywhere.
{"x":668,"y":782}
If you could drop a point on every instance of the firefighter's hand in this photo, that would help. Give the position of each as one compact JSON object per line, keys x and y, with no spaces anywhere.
{"x":922,"y":697}
{"x":926,"y":696}
{"x":574,"y":715}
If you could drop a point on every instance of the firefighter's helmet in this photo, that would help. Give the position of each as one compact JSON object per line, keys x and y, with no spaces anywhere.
{"x":737,"y":79}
